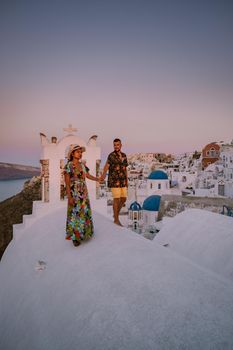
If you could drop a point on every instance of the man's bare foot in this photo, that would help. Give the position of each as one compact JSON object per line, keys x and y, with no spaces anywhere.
{"x":118,"y":223}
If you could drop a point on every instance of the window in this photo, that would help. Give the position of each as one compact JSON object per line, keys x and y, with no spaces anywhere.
{"x":159,"y":186}
{"x":213,"y":152}
{"x":151,"y":186}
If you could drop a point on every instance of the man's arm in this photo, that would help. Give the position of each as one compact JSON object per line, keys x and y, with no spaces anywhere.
{"x":106,"y":167}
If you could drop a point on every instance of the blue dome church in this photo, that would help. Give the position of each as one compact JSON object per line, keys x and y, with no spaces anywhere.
{"x":158,"y":183}
{"x":135,"y":217}
{"x":152,"y":203}
{"x":150,"y":208}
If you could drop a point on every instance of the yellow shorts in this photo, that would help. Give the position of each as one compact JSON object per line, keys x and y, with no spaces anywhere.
{"x":119,"y":192}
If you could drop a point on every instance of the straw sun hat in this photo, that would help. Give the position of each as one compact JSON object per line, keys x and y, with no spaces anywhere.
{"x":74,"y":148}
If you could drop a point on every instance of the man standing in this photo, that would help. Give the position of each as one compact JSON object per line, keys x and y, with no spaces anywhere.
{"x":116,"y":166}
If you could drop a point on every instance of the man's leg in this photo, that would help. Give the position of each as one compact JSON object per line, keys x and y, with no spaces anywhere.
{"x":119,"y":199}
{"x":116,"y":210}
{"x":122,"y":202}
{"x":117,"y":205}
{"x":123,"y":197}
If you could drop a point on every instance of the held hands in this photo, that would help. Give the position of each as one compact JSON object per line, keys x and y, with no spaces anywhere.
{"x":94,"y":178}
{"x":101,"y":178}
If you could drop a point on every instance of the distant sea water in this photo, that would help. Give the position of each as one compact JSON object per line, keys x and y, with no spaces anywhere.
{"x":9,"y":188}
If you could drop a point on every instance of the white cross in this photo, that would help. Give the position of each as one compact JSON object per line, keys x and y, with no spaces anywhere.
{"x":70,"y":129}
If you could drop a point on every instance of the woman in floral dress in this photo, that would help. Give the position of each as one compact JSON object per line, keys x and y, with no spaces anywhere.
{"x":79,"y":224}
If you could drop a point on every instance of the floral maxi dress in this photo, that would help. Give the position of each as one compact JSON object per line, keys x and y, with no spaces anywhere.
{"x":79,"y":224}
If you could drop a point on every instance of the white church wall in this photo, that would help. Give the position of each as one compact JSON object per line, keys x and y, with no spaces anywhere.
{"x":92,"y":155}
{"x":158,"y":187}
{"x":206,"y":192}
{"x":55,"y":152}
{"x":149,"y":218}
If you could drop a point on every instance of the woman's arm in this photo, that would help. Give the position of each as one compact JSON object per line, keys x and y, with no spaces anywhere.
{"x":67,"y":181}
{"x":90,"y":177}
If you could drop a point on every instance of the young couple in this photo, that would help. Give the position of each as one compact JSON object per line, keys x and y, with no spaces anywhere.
{"x":79,"y":224}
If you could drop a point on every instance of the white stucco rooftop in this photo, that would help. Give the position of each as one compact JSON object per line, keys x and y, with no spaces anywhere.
{"x":117,"y":291}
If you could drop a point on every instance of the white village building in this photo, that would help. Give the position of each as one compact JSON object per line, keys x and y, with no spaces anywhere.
{"x":217,"y":178}
{"x":210,"y":182}
{"x":226,"y":155}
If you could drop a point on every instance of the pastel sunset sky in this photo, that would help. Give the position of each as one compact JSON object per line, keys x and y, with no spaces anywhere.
{"x":158,"y":74}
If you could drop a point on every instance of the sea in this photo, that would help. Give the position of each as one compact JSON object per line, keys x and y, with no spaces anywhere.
{"x":9,"y":188}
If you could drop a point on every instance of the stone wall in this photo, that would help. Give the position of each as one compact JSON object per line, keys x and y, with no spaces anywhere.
{"x":172,"y":204}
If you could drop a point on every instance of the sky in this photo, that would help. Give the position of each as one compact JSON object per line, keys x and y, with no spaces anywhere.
{"x":157,"y":74}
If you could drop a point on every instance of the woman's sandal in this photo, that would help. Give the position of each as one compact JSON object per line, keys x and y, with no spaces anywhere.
{"x":76,"y":243}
